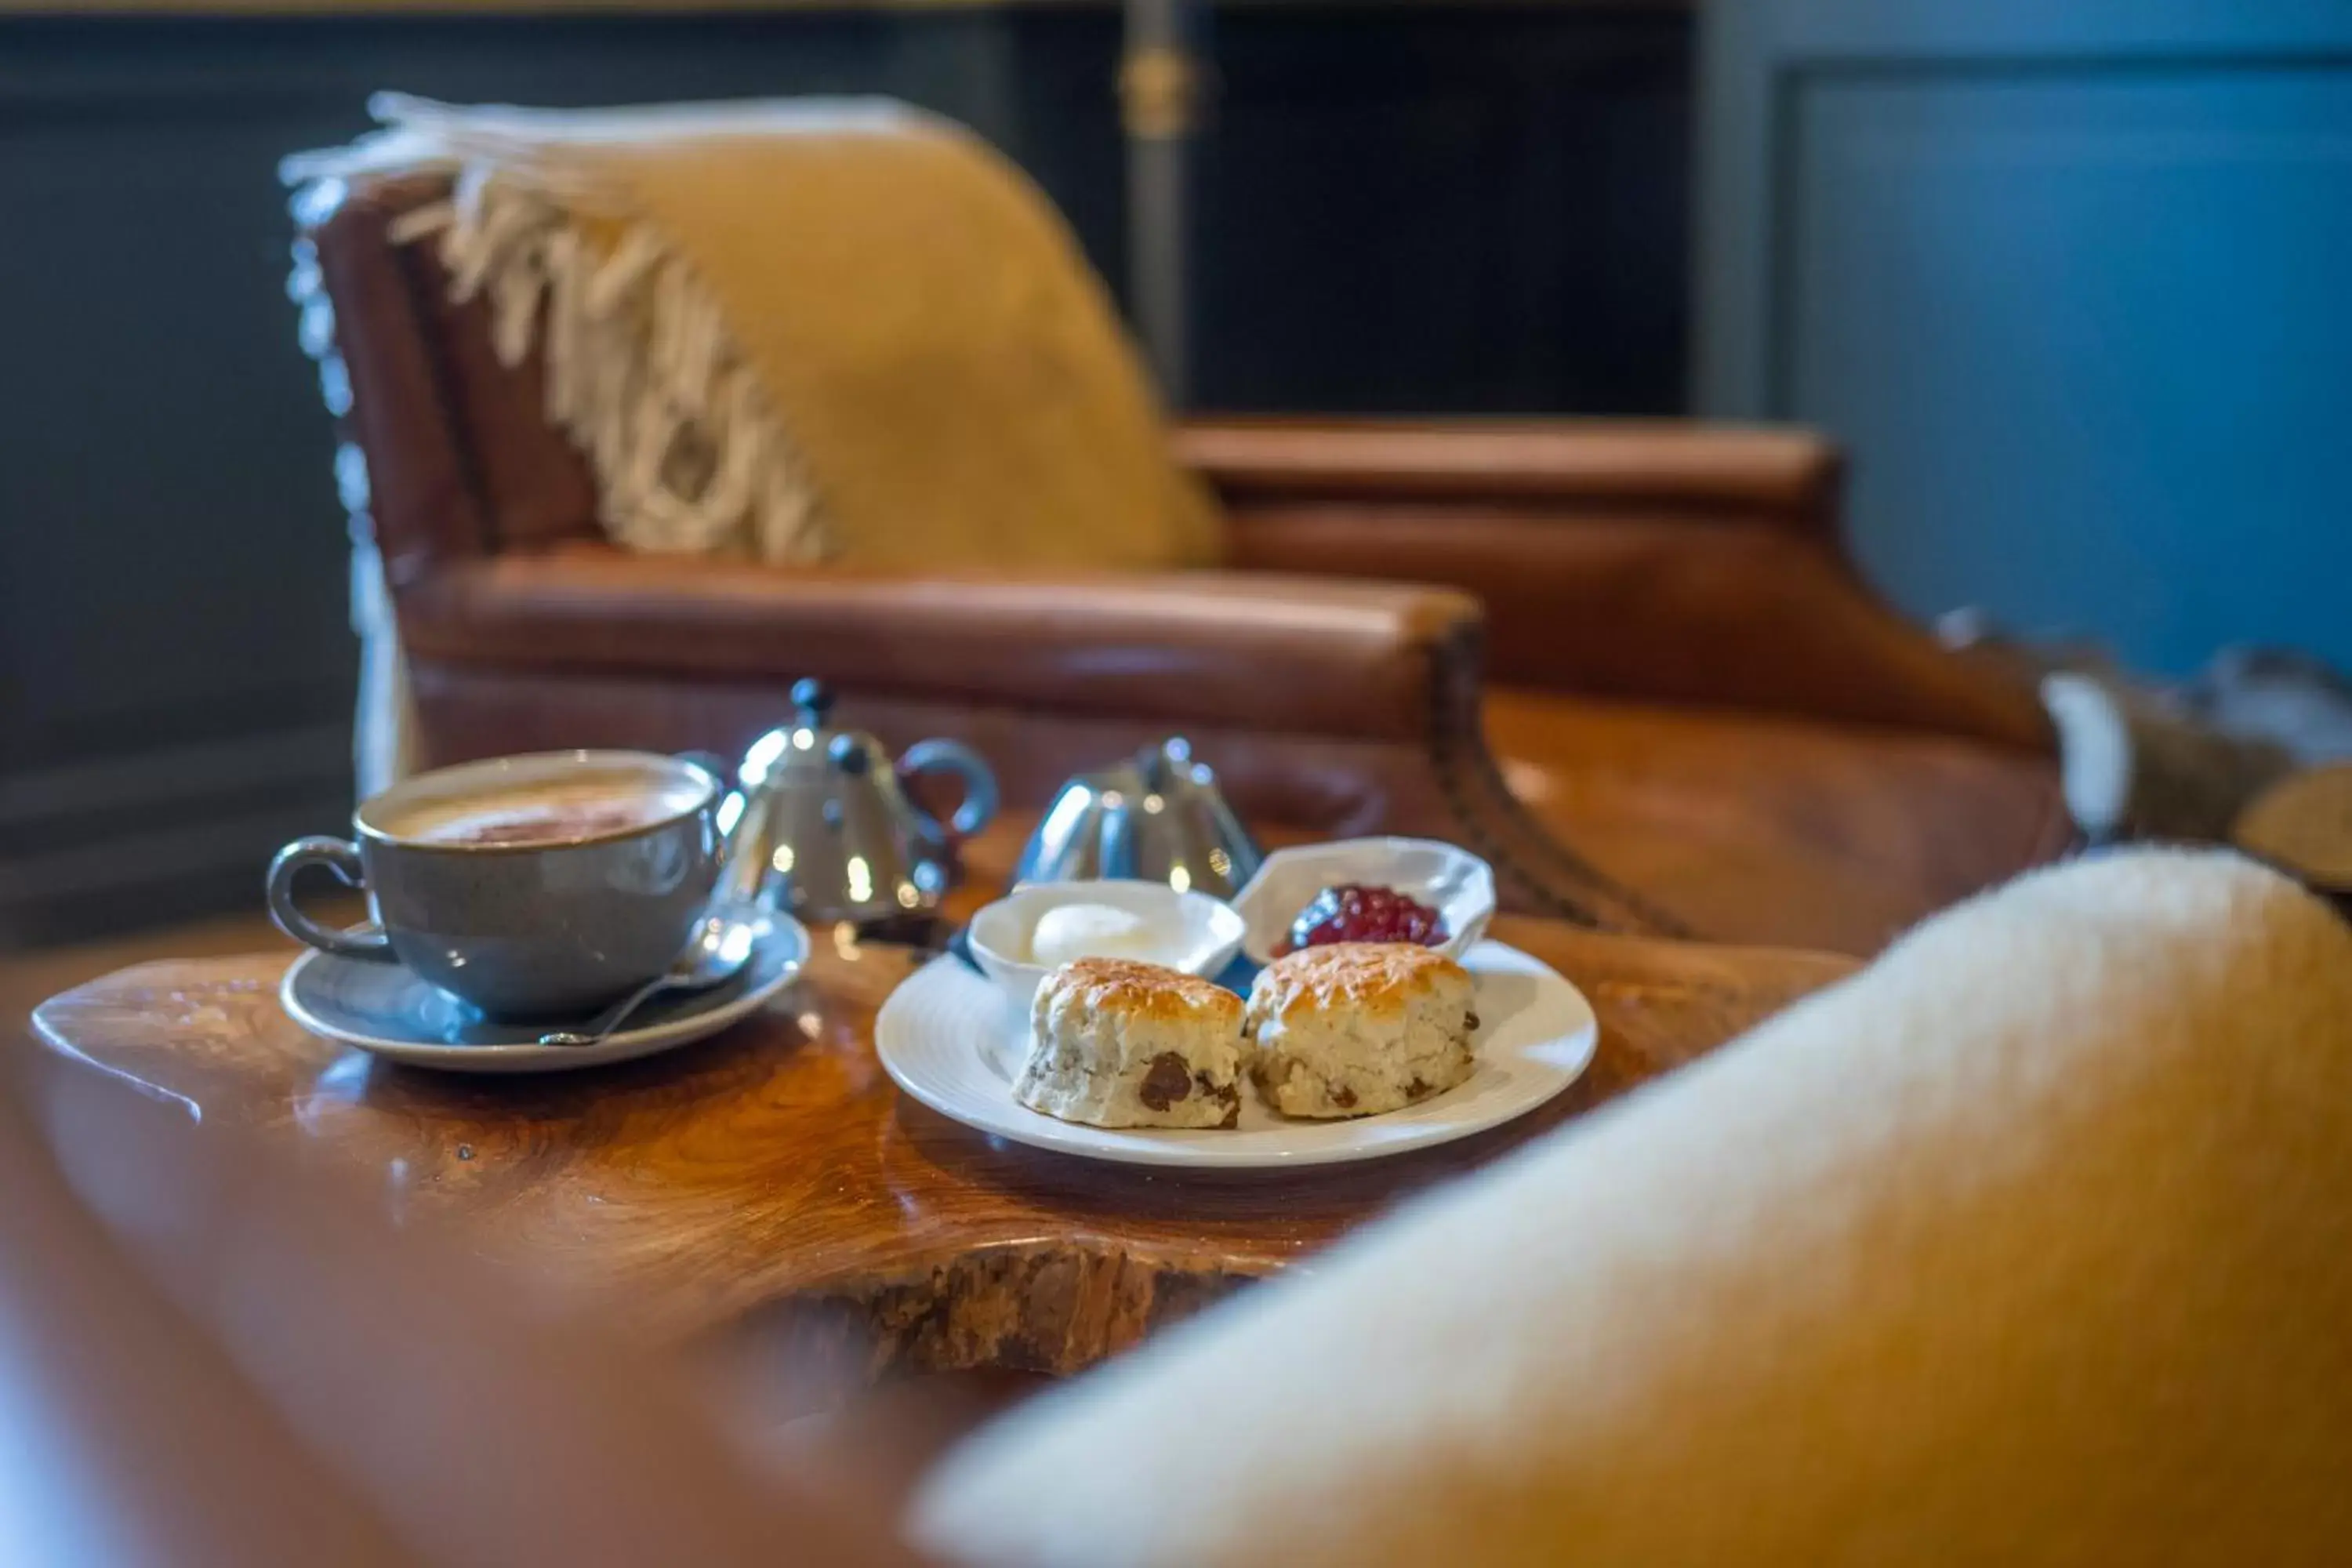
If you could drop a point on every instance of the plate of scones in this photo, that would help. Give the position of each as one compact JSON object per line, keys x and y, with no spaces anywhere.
{"x":1365,"y":1015}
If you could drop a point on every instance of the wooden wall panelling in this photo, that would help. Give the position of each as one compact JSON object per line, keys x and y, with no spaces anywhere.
{"x":1457,"y":207}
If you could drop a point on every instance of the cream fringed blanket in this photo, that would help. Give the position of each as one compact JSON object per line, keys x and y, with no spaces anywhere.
{"x":817,"y":330}
{"x":2031,"y":1245}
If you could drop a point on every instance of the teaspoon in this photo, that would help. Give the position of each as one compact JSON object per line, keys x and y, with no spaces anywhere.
{"x":721,"y":945}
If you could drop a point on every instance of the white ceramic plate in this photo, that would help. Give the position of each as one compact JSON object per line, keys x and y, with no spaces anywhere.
{"x":383,"y":1008}
{"x":948,"y":1038}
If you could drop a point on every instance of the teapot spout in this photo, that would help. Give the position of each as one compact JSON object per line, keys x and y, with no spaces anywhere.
{"x":745,"y":830}
{"x":729,"y":815}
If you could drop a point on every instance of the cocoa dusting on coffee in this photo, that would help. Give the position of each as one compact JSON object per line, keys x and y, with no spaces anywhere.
{"x":1170,"y":1081}
{"x":556,"y":826}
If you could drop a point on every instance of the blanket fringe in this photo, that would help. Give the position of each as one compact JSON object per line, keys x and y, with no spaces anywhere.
{"x":641,"y":372}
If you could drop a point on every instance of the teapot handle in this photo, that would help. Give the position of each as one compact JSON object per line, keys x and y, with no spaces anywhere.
{"x":978,"y":785}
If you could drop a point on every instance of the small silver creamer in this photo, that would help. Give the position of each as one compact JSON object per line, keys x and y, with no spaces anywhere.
{"x":821,"y":824}
{"x":1157,"y":817}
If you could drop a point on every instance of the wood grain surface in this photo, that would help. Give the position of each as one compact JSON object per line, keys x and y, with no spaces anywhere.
{"x":771,"y":1192}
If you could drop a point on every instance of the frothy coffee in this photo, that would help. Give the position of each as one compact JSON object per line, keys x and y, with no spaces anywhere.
{"x":555,"y":811}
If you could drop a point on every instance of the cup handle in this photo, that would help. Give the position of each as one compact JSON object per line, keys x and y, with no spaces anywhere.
{"x":979,"y":784}
{"x":343,"y":861}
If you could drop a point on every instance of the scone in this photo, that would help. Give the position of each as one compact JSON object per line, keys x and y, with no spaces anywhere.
{"x":1355,"y":1028}
{"x":1117,"y":1043}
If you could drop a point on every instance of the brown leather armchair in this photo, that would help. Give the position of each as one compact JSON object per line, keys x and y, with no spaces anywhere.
{"x":1691,"y":687}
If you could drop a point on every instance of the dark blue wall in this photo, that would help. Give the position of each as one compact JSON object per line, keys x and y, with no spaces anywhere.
{"x":2071,"y":281}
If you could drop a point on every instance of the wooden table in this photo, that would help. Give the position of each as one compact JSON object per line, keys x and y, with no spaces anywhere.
{"x":772,"y":1183}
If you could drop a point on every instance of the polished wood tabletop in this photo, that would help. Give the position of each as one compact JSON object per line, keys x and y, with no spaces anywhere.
{"x":772,"y":1183}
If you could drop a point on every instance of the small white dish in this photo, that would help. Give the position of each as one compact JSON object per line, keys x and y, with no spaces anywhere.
{"x":943,"y":1044}
{"x":387,"y":1010}
{"x":1203,"y":932}
{"x":1455,"y":883}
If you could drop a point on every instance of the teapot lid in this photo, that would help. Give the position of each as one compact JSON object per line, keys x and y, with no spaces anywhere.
{"x":812,"y":708}
{"x":809,"y":745}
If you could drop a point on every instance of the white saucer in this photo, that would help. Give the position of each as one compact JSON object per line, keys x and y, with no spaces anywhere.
{"x":946,"y":1036}
{"x":386,"y":1009}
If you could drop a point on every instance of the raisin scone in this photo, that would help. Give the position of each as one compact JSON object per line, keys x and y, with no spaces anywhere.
{"x":1117,"y":1043}
{"x":1355,"y":1028}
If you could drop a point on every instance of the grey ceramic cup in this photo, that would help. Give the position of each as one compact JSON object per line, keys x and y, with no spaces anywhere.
{"x":521,"y":929}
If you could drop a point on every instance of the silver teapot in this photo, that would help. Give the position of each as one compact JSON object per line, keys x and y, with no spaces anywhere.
{"x":821,"y":823}
{"x":1159,"y":817}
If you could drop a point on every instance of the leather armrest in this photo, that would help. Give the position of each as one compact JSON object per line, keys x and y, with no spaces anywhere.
{"x":1719,"y":615}
{"x":1663,"y":469}
{"x":1340,"y":708}
{"x":1653,"y":561}
{"x":1257,"y":652}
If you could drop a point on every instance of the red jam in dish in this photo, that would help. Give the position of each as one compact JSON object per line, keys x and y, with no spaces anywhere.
{"x":1354,"y":911}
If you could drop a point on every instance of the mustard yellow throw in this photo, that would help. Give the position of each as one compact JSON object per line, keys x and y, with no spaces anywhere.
{"x":798,"y":330}
{"x":838,"y":330}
